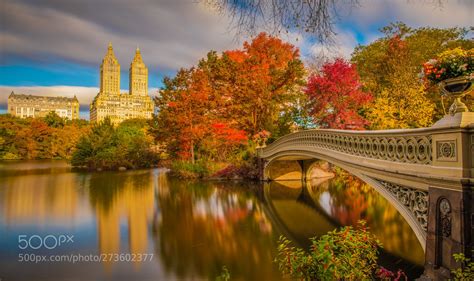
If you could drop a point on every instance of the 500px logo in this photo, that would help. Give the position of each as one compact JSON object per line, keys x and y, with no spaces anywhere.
{"x":49,"y":241}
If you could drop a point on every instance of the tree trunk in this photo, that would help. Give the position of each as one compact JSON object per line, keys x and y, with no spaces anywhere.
{"x":192,"y":151}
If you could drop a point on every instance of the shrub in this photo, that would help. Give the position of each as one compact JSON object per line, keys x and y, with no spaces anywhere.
{"x":349,"y":253}
{"x":189,"y":170}
{"x":466,"y":273}
{"x":245,"y":169}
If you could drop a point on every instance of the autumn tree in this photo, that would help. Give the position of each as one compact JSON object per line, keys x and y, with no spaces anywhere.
{"x":246,"y":91}
{"x":39,"y":138}
{"x":222,"y":141}
{"x":266,"y":76}
{"x":390,"y":67}
{"x":337,"y":97}
{"x":185,"y":112}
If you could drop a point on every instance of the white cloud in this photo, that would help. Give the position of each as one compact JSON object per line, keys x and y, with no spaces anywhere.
{"x":415,"y":13}
{"x":170,"y":35}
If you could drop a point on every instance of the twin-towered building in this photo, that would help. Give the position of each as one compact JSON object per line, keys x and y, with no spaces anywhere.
{"x":109,"y":102}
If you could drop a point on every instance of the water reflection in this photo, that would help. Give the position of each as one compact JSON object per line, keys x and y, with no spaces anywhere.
{"x":344,"y":200}
{"x":222,"y":225}
{"x":347,"y":199}
{"x":192,"y":228}
{"x":119,"y":196}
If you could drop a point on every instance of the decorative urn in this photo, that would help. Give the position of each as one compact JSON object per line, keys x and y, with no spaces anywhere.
{"x":457,"y":88}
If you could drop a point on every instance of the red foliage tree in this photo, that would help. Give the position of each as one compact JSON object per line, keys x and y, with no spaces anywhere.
{"x":336,"y":96}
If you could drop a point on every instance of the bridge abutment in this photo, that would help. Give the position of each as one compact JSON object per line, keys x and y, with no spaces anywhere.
{"x":450,"y":230}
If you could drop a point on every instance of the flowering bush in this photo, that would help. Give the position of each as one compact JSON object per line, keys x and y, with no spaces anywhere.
{"x":449,"y":64}
{"x":349,"y":254}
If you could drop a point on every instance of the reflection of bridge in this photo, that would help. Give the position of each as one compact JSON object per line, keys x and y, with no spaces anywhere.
{"x":427,"y":174}
{"x":298,"y":214}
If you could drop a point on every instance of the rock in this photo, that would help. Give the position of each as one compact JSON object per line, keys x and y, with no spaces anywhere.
{"x":122,"y":169}
{"x":99,"y":169}
{"x":320,"y":173}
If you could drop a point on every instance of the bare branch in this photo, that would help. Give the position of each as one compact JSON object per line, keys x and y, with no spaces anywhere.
{"x":313,"y":17}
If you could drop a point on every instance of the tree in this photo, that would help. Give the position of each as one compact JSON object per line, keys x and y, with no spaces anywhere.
{"x":40,"y":138}
{"x":223,"y":140}
{"x":247,"y":90}
{"x":109,"y":147}
{"x":313,"y":18}
{"x":390,"y":67}
{"x":52,"y":119}
{"x":337,"y":97}
{"x":185,"y":112}
{"x":266,"y":76}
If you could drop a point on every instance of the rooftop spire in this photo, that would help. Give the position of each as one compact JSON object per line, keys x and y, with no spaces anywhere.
{"x":138,"y":57}
{"x":110,"y":52}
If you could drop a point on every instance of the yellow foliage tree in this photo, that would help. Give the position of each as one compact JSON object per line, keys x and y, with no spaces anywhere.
{"x":398,"y":108}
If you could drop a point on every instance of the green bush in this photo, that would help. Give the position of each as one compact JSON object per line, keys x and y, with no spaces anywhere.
{"x":189,"y":170}
{"x":349,"y":253}
{"x":466,"y":273}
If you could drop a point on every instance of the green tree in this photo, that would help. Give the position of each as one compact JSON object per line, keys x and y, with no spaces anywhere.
{"x":53,"y":120}
{"x":105,"y":146}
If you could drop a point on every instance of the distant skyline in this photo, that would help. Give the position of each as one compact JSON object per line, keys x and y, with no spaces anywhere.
{"x":56,"y":47}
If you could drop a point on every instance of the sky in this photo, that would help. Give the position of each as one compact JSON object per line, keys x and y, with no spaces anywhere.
{"x":55,"y":47}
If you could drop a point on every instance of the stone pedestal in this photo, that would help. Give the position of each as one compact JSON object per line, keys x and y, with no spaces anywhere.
{"x":458,"y":120}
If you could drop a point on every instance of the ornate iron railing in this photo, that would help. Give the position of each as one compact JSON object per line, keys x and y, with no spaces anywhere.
{"x":407,"y":146}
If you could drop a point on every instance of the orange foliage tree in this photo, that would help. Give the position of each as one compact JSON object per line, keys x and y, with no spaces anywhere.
{"x":228,"y":97}
{"x":266,"y":74}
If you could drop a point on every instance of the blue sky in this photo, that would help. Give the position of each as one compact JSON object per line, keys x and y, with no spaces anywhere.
{"x":56,"y":47}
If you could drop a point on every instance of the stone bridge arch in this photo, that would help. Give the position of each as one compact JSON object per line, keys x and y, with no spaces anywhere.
{"x":416,"y":217}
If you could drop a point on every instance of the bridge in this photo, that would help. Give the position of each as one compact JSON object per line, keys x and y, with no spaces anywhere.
{"x":427,"y":174}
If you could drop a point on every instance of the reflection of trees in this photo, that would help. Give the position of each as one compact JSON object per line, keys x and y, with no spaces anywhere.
{"x":203,"y":227}
{"x":348,"y":200}
{"x":40,"y":199}
{"x":116,"y":195}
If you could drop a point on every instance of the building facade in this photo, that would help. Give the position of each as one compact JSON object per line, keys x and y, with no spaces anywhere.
{"x":109,"y":102}
{"x":24,"y":106}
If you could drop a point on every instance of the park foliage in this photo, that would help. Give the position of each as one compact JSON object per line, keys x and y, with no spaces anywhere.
{"x":336,"y":96}
{"x":220,"y":110}
{"x":213,"y":111}
{"x":51,"y":137}
{"x":346,"y":254}
{"x":108,"y":147}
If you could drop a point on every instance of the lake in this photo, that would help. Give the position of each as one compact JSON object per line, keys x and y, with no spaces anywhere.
{"x":56,"y":223}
